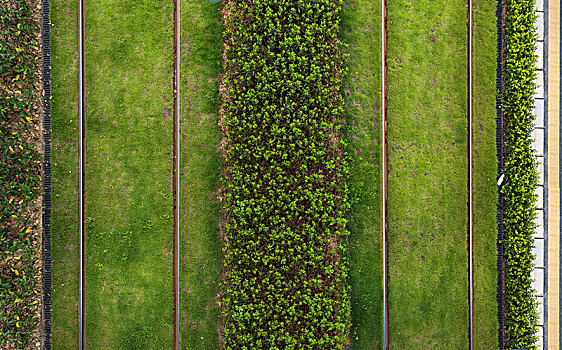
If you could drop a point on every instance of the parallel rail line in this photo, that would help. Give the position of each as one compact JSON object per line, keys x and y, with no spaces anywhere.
{"x":81,"y":170}
{"x":469,"y":71}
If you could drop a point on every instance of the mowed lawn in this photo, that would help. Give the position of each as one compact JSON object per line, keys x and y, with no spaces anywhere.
{"x":129,"y":72}
{"x":361,"y":30}
{"x":427,"y":215}
{"x":485,"y":172}
{"x":201,"y":254}
{"x":64,"y":220}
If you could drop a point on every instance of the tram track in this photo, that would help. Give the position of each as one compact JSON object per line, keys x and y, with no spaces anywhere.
{"x":81,"y":171}
{"x":469,"y":71}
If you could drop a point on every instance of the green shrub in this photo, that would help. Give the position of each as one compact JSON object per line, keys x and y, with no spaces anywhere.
{"x":521,"y":174}
{"x":19,"y":173}
{"x":285,"y":194}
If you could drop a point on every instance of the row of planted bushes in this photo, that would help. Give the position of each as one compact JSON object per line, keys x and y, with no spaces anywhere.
{"x":520,"y":173}
{"x":19,"y":173}
{"x":284,"y":187}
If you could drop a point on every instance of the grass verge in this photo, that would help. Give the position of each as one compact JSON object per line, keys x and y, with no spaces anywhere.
{"x":427,"y":174}
{"x":360,"y":29}
{"x":201,"y":254}
{"x":129,"y":56}
{"x":64,"y":219}
{"x":484,"y":177}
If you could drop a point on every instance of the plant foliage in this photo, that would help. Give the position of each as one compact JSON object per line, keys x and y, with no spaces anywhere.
{"x":284,"y":187}
{"x":19,"y":172}
{"x":521,"y":174}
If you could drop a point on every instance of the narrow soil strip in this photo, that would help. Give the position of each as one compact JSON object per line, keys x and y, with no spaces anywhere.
{"x":176,"y":175}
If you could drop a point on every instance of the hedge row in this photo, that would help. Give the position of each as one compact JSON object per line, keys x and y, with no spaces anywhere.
{"x":19,"y":173}
{"x":284,"y":188}
{"x":520,"y":174}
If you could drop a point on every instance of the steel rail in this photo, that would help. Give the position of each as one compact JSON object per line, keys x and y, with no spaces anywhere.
{"x":81,"y":171}
{"x":470,"y":173}
{"x":176,"y":174}
{"x":384,"y":178}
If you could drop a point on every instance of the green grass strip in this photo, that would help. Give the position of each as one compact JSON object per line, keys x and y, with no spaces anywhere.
{"x":64,"y":218}
{"x":201,"y":264}
{"x":361,"y":30}
{"x":129,"y":290}
{"x":484,"y":177}
{"x":521,"y":177}
{"x":284,"y":187}
{"x":427,"y":213}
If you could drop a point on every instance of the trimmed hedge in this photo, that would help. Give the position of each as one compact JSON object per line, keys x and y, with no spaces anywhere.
{"x":520,"y":173}
{"x":19,"y":173}
{"x":284,"y":187}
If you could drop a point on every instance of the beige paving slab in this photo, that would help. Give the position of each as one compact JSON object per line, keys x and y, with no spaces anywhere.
{"x":553,"y":186}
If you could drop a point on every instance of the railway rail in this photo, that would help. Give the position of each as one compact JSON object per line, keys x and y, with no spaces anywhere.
{"x":469,"y":71}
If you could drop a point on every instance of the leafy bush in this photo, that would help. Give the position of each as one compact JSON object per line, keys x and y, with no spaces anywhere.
{"x":19,"y":173}
{"x":284,"y":187}
{"x":521,"y":174}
